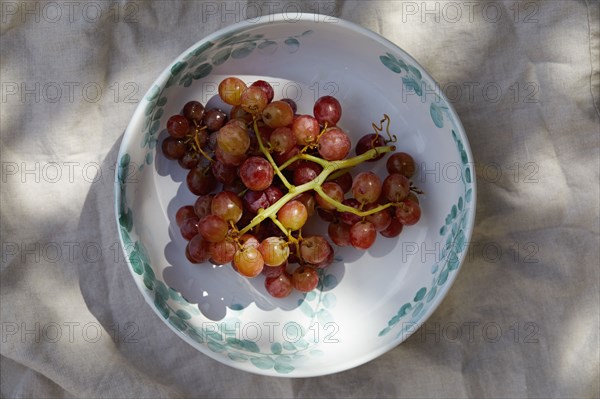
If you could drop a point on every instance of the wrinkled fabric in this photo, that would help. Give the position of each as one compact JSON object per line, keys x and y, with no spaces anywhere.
{"x":522,"y":318}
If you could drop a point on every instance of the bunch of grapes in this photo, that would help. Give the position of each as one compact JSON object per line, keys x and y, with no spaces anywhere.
{"x":261,"y":170}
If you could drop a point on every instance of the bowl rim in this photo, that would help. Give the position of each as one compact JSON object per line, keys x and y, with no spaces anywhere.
{"x":310,"y":18}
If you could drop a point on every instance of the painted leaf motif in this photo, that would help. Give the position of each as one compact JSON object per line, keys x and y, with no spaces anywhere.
{"x":436,"y":115}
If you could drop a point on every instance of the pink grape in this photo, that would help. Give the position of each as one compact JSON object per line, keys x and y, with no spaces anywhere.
{"x":305,"y":130}
{"x":332,"y":190}
{"x":362,"y":235}
{"x":366,"y":187}
{"x":282,"y":140}
{"x":293,"y":215}
{"x":396,"y":187}
{"x":222,"y":252}
{"x":274,"y":271}
{"x":408,"y":212}
{"x":345,"y":181}
{"x":229,"y":159}
{"x":334,"y":144}
{"x":349,"y":217}
{"x":256,"y":173}
{"x":339,"y":233}
{"x":223,"y":173}
{"x":314,"y":249}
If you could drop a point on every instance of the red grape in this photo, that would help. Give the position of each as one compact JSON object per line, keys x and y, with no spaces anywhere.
{"x":173,"y":148}
{"x":189,"y":228}
{"x":349,"y":217}
{"x":368,"y":142}
{"x":202,"y":205}
{"x":201,"y":182}
{"x":279,"y":286}
{"x":266,"y":87}
{"x":256,"y":173}
{"x":305,"y":279}
{"x":183,"y":213}
{"x":393,"y":230}
{"x":223,"y":173}
{"x":178,"y":126}
{"x":227,"y":206}
{"x":198,"y":249}
{"x":214,"y":119}
{"x":213,"y":228}
{"x":194,"y":111}
{"x":306,"y":171}
{"x":401,"y":163}
{"x":327,"y":110}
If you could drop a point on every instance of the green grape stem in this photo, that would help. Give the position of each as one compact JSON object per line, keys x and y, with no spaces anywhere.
{"x":329,"y":167}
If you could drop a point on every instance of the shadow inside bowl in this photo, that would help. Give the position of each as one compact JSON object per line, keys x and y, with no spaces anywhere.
{"x":214,"y":288}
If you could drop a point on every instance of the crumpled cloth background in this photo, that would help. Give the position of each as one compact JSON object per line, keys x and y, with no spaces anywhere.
{"x":522,"y":319}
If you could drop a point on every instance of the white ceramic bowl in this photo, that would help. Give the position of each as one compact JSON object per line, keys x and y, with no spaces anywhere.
{"x":367,"y":302}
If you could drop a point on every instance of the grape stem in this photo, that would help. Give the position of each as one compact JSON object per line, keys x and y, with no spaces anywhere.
{"x":267,"y":154}
{"x":329,"y":167}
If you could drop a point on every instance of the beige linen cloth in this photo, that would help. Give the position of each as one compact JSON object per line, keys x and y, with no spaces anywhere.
{"x":522,"y":319}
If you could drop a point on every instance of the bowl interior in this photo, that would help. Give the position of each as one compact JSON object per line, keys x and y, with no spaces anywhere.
{"x":367,"y":301}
